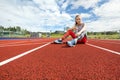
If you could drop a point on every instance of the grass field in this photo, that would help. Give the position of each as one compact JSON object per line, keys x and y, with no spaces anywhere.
{"x":114,"y":36}
{"x":53,"y":35}
{"x":100,"y":36}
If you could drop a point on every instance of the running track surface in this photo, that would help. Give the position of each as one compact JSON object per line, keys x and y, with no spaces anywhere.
{"x":41,"y":60}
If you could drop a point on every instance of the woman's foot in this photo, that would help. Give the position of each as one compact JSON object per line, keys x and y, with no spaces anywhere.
{"x":58,"y":41}
{"x":72,"y":43}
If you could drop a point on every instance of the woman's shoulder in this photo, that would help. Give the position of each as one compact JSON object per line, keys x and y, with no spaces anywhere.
{"x":83,"y":23}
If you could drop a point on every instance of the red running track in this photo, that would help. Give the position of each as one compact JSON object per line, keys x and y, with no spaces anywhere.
{"x":59,"y":62}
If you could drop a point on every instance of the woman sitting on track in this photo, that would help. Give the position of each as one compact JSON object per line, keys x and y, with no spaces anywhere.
{"x":77,"y":32}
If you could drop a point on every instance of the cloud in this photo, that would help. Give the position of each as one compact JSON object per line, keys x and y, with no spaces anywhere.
{"x":109,"y":17}
{"x":110,"y":9}
{"x":32,"y":14}
{"x":37,"y":15}
{"x":47,"y":5}
{"x":84,"y":3}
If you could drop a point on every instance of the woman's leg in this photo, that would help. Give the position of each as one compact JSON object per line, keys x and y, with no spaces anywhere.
{"x":82,"y":40}
{"x":69,"y":32}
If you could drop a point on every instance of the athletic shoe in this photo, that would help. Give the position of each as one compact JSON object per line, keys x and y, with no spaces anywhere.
{"x":69,"y":44}
{"x":59,"y":41}
{"x":72,"y":43}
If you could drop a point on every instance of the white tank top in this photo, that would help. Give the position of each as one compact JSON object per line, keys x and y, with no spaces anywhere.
{"x":78,"y":28}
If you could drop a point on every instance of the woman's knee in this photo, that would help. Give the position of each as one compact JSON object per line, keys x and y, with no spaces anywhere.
{"x":82,"y":41}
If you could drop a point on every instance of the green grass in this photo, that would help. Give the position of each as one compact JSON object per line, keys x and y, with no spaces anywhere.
{"x":114,"y":36}
{"x":56,"y":35}
{"x":16,"y":36}
{"x":98,"y":36}
{"x":53,"y":35}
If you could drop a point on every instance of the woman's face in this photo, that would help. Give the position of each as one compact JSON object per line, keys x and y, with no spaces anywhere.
{"x":78,"y":20}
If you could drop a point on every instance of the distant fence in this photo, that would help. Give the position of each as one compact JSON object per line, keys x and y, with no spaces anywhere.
{"x":11,"y":34}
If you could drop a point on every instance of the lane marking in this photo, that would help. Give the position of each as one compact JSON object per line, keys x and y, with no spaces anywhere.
{"x":106,"y":42}
{"x":111,"y":42}
{"x":21,"y":44}
{"x":18,"y":42}
{"x":103,"y":48}
{"x":110,"y":39}
{"x":107,"y":39}
{"x":13,"y":43}
{"x":22,"y":54}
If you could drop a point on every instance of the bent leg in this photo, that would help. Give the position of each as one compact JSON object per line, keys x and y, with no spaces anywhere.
{"x":83,"y":40}
{"x":69,"y":32}
{"x":80,"y":39}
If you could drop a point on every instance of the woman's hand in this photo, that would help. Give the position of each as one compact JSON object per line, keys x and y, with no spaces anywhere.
{"x":76,"y":34}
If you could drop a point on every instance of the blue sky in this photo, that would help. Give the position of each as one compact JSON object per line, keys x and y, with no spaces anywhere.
{"x":46,"y":15}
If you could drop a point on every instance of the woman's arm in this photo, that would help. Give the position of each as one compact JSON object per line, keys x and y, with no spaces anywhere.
{"x":83,"y":29}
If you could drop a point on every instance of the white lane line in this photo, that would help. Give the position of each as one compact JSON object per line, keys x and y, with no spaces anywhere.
{"x":111,"y":42}
{"x":110,"y":39}
{"x":21,"y":44}
{"x":10,"y":43}
{"x":13,"y":43}
{"x":22,"y":54}
{"x":107,"y":42}
{"x":103,"y":48}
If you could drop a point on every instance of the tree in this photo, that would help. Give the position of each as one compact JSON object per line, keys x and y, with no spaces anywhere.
{"x":1,"y":28}
{"x":18,"y":28}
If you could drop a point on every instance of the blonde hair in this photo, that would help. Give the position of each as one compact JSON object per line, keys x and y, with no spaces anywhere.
{"x":75,"y":19}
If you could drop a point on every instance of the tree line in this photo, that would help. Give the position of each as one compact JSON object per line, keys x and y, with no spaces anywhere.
{"x":104,"y":33}
{"x":13,"y":29}
{"x":19,"y":29}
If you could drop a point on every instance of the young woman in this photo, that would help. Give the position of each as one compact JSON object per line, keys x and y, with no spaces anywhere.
{"x":77,"y":32}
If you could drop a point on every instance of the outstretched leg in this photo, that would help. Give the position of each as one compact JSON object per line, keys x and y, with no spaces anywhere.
{"x":69,"y":32}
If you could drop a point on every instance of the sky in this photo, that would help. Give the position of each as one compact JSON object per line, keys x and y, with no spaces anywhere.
{"x":52,"y":15}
